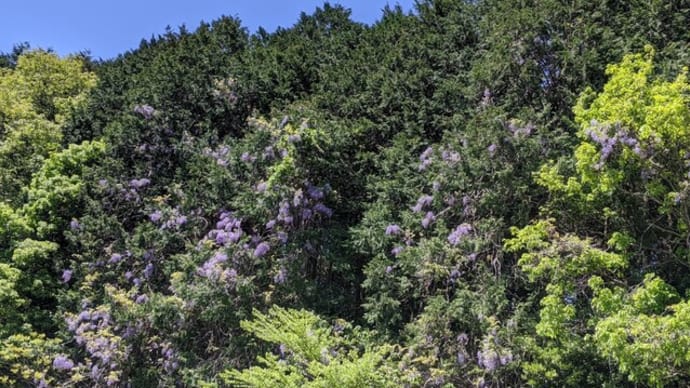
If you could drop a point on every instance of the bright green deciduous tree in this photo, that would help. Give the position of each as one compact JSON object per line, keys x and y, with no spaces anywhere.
{"x":36,"y":98}
{"x":625,"y":187}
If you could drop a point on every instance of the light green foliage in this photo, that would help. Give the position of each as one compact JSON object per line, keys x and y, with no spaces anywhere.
{"x":638,"y":125}
{"x":646,"y":332}
{"x":54,"y":190}
{"x":314,"y":355}
{"x":564,"y":263}
{"x":9,"y":297}
{"x":12,"y":229}
{"x":25,"y":359}
{"x":30,"y":264}
{"x":554,"y":257}
{"x":628,"y":190}
{"x":36,"y":98}
{"x":44,"y":84}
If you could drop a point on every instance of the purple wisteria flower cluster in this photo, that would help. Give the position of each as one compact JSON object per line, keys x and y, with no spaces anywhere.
{"x":491,"y":359}
{"x":423,"y":201}
{"x":610,"y":136}
{"x":305,"y":206}
{"x":459,"y":233}
{"x":228,"y":230}
{"x":139,"y":183}
{"x":491,"y":354}
{"x":170,"y":219}
{"x":146,"y":111}
{"x":425,"y":158}
{"x":518,"y":130}
{"x":450,"y":157}
{"x":94,"y":330}
{"x":220,"y":155}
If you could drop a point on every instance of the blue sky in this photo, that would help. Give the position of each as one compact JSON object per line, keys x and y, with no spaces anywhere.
{"x":110,"y":27}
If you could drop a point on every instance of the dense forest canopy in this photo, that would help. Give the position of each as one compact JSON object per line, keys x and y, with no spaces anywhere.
{"x":476,"y":193}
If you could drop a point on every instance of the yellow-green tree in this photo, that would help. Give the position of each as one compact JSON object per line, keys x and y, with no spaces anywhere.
{"x":36,"y":97}
{"x":622,"y":199}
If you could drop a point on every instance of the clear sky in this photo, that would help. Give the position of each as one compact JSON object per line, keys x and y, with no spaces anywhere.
{"x":109,"y":27}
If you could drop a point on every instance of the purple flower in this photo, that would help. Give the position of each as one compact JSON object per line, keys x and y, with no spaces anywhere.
{"x":209,"y":268}
{"x":84,"y":316}
{"x":306,"y":214}
{"x":389,"y":269}
{"x":489,"y":360}
{"x":454,"y":275}
{"x":62,"y":363}
{"x":145,"y":111}
{"x":261,"y":249}
{"x":270,"y":224}
{"x":520,"y":131}
{"x":426,"y":154}
{"x":261,"y":187}
{"x":141,"y":299}
{"x":230,"y":275}
{"x":595,"y":135}
{"x":425,"y":158}
{"x":315,"y":193}
{"x":115,"y":258}
{"x":148,"y":270}
{"x":284,"y":212}
{"x":282,"y":236}
{"x":486,"y":97}
{"x":181,"y":220}
{"x":450,"y":157}
{"x":323,"y":209}
{"x":234,"y":236}
{"x":219,"y":257}
{"x":422,"y":202}
{"x":424,"y":164}
{"x":393,"y":229}
{"x":246,"y":157}
{"x":638,"y":151}
{"x":155,"y":216}
{"x":463,"y":339}
{"x":74,"y":224}
{"x":397,"y":250}
{"x":294,"y":138}
{"x":492,"y":149}
{"x":222,"y":237}
{"x":223,"y":222}
{"x":428,"y":219}
{"x":280,"y":277}
{"x":139,"y":183}
{"x":461,"y":231}
{"x":606,"y":151}
{"x":66,"y":275}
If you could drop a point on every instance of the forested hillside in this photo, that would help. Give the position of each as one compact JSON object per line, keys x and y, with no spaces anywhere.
{"x":479,"y":193}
